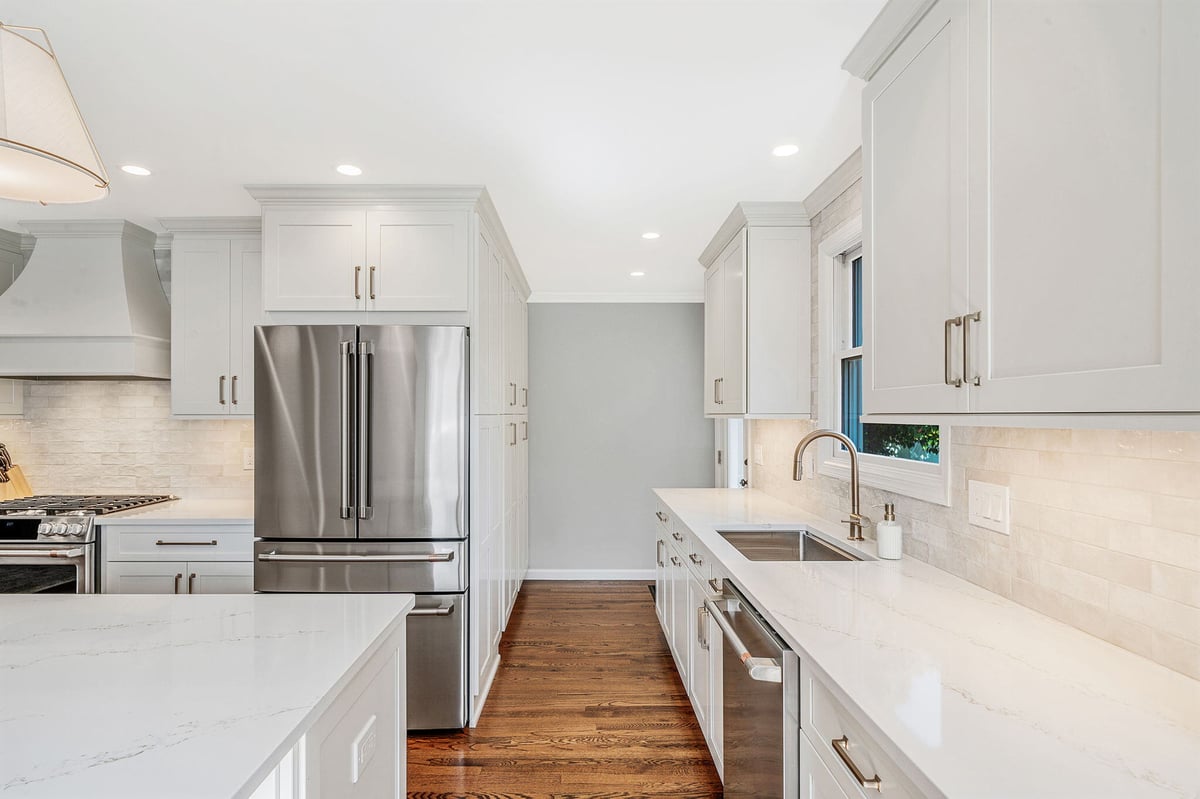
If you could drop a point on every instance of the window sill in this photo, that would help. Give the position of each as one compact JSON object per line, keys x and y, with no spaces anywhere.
{"x":929,"y":484}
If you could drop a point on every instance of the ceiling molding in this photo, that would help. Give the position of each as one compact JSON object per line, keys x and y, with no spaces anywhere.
{"x":884,"y":35}
{"x":212,"y":224}
{"x":491,"y":218}
{"x":573,"y":297}
{"x":832,"y":187}
{"x":330,"y":194}
{"x":757,"y":214}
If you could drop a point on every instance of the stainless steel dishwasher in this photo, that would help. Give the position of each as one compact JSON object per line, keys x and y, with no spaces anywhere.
{"x":761,"y":702}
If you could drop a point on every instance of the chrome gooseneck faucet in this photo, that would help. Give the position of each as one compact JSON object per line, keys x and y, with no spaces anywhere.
{"x":856,"y":518}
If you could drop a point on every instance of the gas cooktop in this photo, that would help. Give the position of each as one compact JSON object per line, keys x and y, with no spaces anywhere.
{"x":79,"y":504}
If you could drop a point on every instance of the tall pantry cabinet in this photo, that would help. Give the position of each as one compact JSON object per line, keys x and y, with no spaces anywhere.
{"x":1030,"y":183}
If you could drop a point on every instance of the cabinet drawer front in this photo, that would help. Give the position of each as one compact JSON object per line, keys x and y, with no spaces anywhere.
{"x":826,"y":721}
{"x":192,"y":543}
{"x":816,"y":782}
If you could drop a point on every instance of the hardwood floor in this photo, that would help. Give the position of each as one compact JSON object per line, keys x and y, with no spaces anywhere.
{"x":587,"y":703}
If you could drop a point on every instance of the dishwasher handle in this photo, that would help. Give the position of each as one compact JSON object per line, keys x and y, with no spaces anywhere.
{"x":761,"y":669}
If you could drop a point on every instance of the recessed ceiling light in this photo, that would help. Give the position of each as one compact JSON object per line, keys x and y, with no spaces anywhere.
{"x":784,"y":150}
{"x":637,"y":274}
{"x":133,"y":169}
{"x":651,"y":235}
{"x":350,"y":170}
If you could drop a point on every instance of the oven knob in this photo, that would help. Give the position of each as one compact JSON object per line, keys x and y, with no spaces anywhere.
{"x":44,"y":529}
{"x":59,"y":529}
{"x":75,"y":529}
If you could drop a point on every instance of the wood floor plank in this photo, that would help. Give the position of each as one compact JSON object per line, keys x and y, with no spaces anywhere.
{"x":586,"y":705}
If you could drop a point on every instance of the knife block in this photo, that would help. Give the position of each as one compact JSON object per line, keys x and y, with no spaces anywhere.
{"x":17,"y":486}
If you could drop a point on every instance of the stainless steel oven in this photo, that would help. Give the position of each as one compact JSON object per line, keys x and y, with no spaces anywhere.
{"x":761,"y":702}
{"x":41,"y":554}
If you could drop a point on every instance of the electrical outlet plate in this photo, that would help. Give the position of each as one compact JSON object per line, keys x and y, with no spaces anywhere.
{"x":758,"y":455}
{"x":362,"y":749}
{"x":248,"y":459}
{"x":987,"y":506}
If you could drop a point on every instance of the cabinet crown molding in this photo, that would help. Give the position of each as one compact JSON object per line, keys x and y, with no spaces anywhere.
{"x":832,"y":187}
{"x":884,"y":35}
{"x":87,"y":228}
{"x":334,"y":194}
{"x":757,"y":214}
{"x":227,"y":225}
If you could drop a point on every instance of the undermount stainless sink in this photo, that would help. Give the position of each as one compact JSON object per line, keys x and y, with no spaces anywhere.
{"x":782,"y":545}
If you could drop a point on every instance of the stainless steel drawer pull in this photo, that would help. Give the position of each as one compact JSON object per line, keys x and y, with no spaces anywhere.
{"x":761,"y":669}
{"x":357,"y":275}
{"x":951,"y":323}
{"x":842,"y":747}
{"x":221,"y":390}
{"x":161,"y":543}
{"x":658,"y":549}
{"x":716,"y":585}
{"x":436,"y":557}
{"x":676,"y":561}
{"x":178,"y":577}
{"x":677,"y":537}
{"x":192,"y":583}
{"x":971,"y":380}
{"x":662,"y":517}
{"x":444,"y":610}
{"x":233,"y":389}
{"x":702,"y":627}
{"x":42,"y":553}
{"x":694,"y":558}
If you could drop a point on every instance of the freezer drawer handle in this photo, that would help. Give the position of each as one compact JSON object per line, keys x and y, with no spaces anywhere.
{"x":761,"y":669}
{"x":842,"y":747}
{"x":444,"y":610}
{"x":435,"y":557}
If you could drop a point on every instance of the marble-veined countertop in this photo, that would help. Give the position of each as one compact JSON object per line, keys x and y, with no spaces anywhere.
{"x":983,"y":697}
{"x":130,"y":696}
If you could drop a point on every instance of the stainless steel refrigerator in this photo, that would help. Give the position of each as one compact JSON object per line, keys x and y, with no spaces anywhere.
{"x":361,"y":442}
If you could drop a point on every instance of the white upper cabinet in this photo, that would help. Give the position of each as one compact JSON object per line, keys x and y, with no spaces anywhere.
{"x":314,"y":259}
{"x":915,"y":226}
{"x":417,"y":260}
{"x":757,"y":313}
{"x":216,"y":299}
{"x":1031,"y":182}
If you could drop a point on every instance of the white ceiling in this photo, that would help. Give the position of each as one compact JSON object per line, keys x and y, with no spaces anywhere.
{"x":590,"y":121}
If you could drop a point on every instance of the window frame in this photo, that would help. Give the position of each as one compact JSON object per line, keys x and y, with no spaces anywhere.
{"x":925,"y":481}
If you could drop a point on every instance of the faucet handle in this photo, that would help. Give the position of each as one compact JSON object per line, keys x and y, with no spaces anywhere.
{"x":857,"y":517}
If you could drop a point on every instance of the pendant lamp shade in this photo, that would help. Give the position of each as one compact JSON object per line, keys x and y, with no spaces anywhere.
{"x":46,"y":153}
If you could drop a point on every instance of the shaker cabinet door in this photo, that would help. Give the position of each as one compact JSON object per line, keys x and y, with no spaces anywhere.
{"x":915,"y":177}
{"x":245,"y":311}
{"x":417,"y":261}
{"x":714,"y":337}
{"x":314,"y":260}
{"x":200,"y":327}
{"x":145,"y":577}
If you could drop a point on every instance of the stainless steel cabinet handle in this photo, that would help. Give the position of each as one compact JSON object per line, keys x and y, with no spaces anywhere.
{"x":716,"y":585}
{"x":662,"y":517}
{"x":513,"y":442}
{"x":677,"y":537}
{"x":345,"y":373}
{"x":524,"y":431}
{"x":178,"y":577}
{"x":221,"y":390}
{"x":444,"y":610}
{"x":694,"y":558}
{"x":514,"y":393}
{"x":658,"y":550}
{"x":702,"y":627}
{"x":951,"y":323}
{"x":371,"y":283}
{"x":436,"y":557}
{"x":716,"y":395}
{"x":972,"y":380}
{"x":357,"y":275}
{"x":524,"y":398}
{"x":365,"y":365}
{"x":842,"y":747}
{"x":43,"y":553}
{"x":761,"y":669}
{"x":720,"y":391}
{"x":233,"y":389}
{"x":162,"y":543}
{"x":192,"y":583}
{"x":676,"y":561}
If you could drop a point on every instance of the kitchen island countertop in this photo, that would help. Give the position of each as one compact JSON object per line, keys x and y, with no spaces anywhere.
{"x":183,"y":696}
{"x":186,"y":510}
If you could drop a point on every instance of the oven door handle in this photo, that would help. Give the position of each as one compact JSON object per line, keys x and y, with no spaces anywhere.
{"x":761,"y":669}
{"x":67,"y":554}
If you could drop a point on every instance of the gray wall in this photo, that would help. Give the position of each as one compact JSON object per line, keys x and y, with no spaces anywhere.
{"x":615,"y":409}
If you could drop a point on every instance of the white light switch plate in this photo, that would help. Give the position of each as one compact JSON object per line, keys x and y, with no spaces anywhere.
{"x":758,"y":455}
{"x":248,"y":459}
{"x":987,"y":506}
{"x":363,"y":750}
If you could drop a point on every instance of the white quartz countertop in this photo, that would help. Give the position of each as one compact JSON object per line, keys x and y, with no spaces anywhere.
{"x":135,"y":696}
{"x":186,"y":511}
{"x":982,"y":696}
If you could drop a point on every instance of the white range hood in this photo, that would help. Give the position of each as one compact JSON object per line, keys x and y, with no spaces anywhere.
{"x":89,"y":304}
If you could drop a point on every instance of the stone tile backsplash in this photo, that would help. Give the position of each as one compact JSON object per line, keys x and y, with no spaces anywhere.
{"x":86,"y":436}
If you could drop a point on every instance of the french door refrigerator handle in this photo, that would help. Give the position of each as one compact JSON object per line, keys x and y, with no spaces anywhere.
{"x":761,"y":669}
{"x":346,"y":375}
{"x":365,"y":366}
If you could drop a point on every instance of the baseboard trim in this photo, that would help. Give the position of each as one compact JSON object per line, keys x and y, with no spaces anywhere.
{"x":484,"y":690}
{"x":590,"y":574}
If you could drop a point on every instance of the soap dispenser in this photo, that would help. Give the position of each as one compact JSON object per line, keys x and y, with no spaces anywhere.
{"x":888,"y":533}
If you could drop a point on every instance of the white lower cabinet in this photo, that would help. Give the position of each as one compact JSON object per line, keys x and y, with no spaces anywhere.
{"x":178,"y":558}
{"x":178,"y":577}
{"x":815,"y":780}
